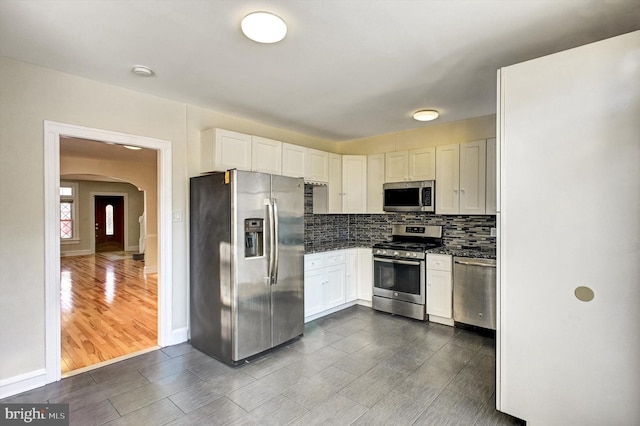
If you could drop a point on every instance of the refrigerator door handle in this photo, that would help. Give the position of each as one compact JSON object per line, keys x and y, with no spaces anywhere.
{"x":274,"y":238}
{"x":271,"y":241}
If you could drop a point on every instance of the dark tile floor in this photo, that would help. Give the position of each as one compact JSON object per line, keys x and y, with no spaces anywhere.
{"x":356,"y":366}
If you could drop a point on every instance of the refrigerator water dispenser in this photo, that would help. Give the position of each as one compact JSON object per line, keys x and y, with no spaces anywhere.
{"x":253,"y":237}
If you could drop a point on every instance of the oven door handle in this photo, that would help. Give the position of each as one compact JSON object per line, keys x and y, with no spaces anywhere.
{"x":403,"y":262}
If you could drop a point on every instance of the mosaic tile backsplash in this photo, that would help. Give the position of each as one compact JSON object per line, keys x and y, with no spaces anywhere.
{"x":336,"y":231}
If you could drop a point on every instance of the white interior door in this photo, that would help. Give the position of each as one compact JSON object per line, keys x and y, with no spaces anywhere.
{"x":570,"y":209}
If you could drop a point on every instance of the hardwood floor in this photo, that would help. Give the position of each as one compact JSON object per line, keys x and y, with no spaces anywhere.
{"x":108,"y":308}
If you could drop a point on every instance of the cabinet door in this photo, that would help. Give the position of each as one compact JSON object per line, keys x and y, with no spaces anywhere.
{"x":314,"y":284}
{"x":317,"y":167}
{"x":334,"y":287}
{"x":473,"y":163}
{"x":351,"y":281}
{"x":266,"y":155}
{"x":365,"y":274}
{"x":422,"y":164}
{"x":375,"y":180}
{"x":439,"y":293}
{"x":222,"y":150}
{"x":293,"y":160}
{"x":396,"y":166}
{"x":354,"y":183}
{"x":335,"y":184}
{"x":491,"y":204}
{"x":447,"y":179}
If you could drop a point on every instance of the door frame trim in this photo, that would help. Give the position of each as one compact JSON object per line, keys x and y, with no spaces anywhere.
{"x":92,"y":213}
{"x":52,"y":133}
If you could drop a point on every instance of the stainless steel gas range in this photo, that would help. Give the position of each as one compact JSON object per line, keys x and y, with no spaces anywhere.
{"x":399,"y":270}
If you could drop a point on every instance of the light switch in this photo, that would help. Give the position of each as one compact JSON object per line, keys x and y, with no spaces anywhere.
{"x":176,"y":216}
{"x":494,"y":232}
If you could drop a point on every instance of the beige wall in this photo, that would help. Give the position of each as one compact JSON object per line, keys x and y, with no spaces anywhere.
{"x":28,"y":96}
{"x":430,"y":135}
{"x":84,"y":200}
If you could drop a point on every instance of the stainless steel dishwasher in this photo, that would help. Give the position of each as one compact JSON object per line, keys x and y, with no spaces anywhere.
{"x":474,"y":291}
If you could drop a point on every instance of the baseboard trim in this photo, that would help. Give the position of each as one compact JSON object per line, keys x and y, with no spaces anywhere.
{"x":150,"y":270}
{"x":133,"y":248}
{"x":180,"y":335}
{"x":329,"y":311}
{"x":75,"y":253}
{"x":22,"y":383}
{"x":363,"y":302}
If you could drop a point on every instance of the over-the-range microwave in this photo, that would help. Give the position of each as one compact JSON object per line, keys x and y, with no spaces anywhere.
{"x":416,"y":196}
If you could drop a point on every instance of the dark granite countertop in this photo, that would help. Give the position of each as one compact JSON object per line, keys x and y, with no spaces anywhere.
{"x":465,"y":252}
{"x":453,"y":251}
{"x":331,"y":247}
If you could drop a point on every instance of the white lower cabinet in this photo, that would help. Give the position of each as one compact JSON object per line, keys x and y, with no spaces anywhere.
{"x":332,"y":281}
{"x":440,"y":288}
{"x":365,"y":277}
{"x":351,"y":283}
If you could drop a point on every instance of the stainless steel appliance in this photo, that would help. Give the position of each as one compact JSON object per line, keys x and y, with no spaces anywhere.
{"x":409,"y":196}
{"x":474,"y":291}
{"x":246,"y":263}
{"x":399,"y":270}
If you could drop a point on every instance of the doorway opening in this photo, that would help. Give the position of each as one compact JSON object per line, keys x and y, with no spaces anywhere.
{"x":162,"y":250}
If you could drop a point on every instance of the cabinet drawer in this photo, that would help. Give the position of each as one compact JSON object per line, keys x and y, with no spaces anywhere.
{"x":335,"y":258}
{"x":439,"y":262}
{"x":314,"y":261}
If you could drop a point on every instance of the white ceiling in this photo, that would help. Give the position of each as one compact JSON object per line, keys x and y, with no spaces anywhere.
{"x":347,"y":69}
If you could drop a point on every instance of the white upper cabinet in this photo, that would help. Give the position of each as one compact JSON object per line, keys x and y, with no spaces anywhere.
{"x":422,"y":164}
{"x":473,"y":163}
{"x":461,"y":178}
{"x":223,"y":150}
{"x":266,"y":155}
{"x":293,"y":160}
{"x":317,"y":166}
{"x":414,"y":164}
{"x":447,"y":179}
{"x":396,"y":166}
{"x":491,"y":202}
{"x":354,"y":183}
{"x":375,"y":180}
{"x":335,"y":184}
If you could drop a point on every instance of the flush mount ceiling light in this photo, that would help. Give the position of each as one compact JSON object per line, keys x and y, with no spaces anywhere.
{"x":264,"y":27}
{"x":142,"y":71}
{"x":426,"y":115}
{"x":135,"y":148}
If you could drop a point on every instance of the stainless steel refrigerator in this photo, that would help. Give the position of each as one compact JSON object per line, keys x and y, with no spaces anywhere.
{"x":246,"y":263}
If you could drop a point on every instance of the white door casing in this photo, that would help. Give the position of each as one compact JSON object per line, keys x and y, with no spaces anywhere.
{"x":52,"y":133}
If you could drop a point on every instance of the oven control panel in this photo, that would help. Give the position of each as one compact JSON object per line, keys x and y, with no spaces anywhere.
{"x":398,"y":254}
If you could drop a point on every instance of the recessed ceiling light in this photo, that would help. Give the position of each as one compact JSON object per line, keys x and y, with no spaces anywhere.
{"x":426,"y":115}
{"x":135,"y":148}
{"x":264,"y":27}
{"x":142,"y":71}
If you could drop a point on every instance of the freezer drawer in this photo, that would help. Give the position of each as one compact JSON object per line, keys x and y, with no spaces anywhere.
{"x":474,"y":291}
